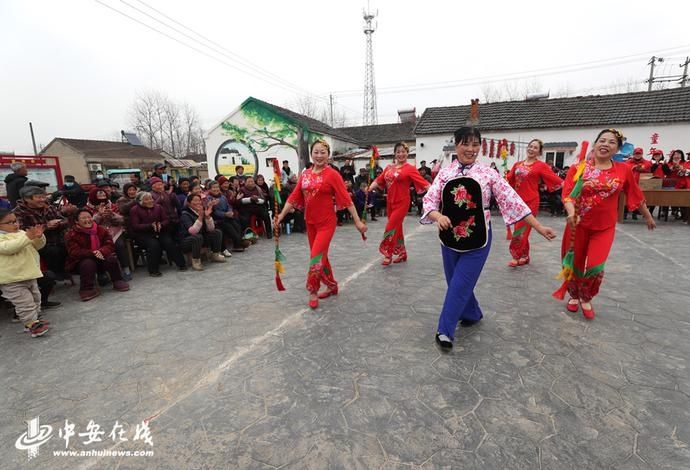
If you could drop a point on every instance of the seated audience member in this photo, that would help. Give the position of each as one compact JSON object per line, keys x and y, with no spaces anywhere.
{"x":168,"y":202}
{"x":91,"y":250}
{"x":148,"y":226}
{"x":107,"y":215}
{"x":252,"y":203}
{"x":73,"y":192}
{"x":181,"y":192}
{"x":19,"y":270}
{"x":198,"y":230}
{"x":32,"y":210}
{"x":225,"y":220}
{"x":267,"y":194}
{"x":127,"y":201}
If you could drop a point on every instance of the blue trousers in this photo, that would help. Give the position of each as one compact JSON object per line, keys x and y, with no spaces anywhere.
{"x":462,"y":272}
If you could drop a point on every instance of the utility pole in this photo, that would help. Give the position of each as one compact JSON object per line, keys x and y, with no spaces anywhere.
{"x":33,"y":140}
{"x":651,"y":63}
{"x":684,"y":78}
{"x":331,"y":107}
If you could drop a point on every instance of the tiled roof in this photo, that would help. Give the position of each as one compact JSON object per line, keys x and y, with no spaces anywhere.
{"x":381,"y":133}
{"x":312,"y":124}
{"x":106,"y":149}
{"x":661,"y":106}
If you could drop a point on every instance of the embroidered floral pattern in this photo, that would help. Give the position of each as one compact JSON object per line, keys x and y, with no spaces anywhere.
{"x":512,"y":206}
{"x":462,"y":197}
{"x":464,"y":229}
{"x":598,"y":185}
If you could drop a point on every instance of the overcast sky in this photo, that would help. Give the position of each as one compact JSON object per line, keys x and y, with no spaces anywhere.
{"x":73,"y":67}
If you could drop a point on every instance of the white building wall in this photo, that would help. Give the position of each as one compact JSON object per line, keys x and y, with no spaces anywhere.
{"x":217,"y":137}
{"x":671,"y":136}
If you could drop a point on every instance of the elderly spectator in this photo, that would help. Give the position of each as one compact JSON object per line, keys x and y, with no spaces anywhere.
{"x":149,"y":226}
{"x":199,"y":230}
{"x":225,"y":219}
{"x":19,"y":270}
{"x":296,"y":217}
{"x":362,"y":177}
{"x":107,"y":215}
{"x":127,"y":201}
{"x":167,"y":201}
{"x":239,"y":174}
{"x":15,"y":181}
{"x":32,"y":209}
{"x":252,"y":202}
{"x":92,"y":251}
{"x":181,"y":192}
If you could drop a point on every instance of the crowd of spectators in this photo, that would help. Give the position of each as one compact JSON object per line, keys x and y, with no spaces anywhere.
{"x":100,"y":231}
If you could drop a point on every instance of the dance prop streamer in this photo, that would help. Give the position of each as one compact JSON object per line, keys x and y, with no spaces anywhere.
{"x":568,"y":269}
{"x":279,"y":259}
{"x":370,"y":177}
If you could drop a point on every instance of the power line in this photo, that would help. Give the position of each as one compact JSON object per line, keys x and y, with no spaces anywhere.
{"x":189,"y":46}
{"x":218,"y":48}
{"x":270,"y":77}
{"x":600,"y":63}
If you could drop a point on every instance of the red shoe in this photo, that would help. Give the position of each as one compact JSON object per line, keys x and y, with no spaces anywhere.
{"x":400,"y":258}
{"x":513,"y":264}
{"x":523,"y":261}
{"x":89,"y":294}
{"x":386,"y":261}
{"x":121,"y":286}
{"x":588,"y":313}
{"x":572,"y":307}
{"x":313,"y":303}
{"x":328,"y":293}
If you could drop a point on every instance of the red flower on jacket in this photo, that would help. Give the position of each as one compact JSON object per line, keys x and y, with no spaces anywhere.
{"x":462,"y":197}
{"x":463,"y":229}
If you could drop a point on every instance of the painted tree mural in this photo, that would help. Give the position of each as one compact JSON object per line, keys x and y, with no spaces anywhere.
{"x":268,"y":129}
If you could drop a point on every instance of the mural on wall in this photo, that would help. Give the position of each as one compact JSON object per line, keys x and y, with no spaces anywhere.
{"x":265,"y":130}
{"x":233,"y":153}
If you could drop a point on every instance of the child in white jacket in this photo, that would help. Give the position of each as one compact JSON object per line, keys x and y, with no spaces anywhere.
{"x":19,"y":269}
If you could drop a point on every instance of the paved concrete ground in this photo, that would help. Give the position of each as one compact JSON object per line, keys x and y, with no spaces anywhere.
{"x":233,"y":374}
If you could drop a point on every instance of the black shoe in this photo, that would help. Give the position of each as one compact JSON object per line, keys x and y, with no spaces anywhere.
{"x":374,"y":219}
{"x":634,"y":217}
{"x":182,"y":268}
{"x":49,"y":304}
{"x":103,"y":280}
{"x":468,"y":323}
{"x":156,"y":274}
{"x":445,"y":343}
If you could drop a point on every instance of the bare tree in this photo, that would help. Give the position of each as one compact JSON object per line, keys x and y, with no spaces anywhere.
{"x":307,"y":106}
{"x":166,"y":125}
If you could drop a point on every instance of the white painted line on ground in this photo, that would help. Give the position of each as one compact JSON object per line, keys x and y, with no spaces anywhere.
{"x":214,"y":375}
{"x":650,"y":247}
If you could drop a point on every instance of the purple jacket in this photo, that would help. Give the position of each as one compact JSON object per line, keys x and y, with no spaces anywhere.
{"x":141,"y":218}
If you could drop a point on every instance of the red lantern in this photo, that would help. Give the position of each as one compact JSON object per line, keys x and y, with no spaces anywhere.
{"x":484,"y":148}
{"x":491,"y":148}
{"x":512,"y":149}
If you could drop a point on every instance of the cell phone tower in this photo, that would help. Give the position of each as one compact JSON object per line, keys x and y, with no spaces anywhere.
{"x":370,"y":115}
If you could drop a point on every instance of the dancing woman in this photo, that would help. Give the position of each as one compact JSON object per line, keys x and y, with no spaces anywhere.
{"x":525,"y":177}
{"x":467,"y":187}
{"x":590,"y":198}
{"x":397,"y":178}
{"x":315,"y":192}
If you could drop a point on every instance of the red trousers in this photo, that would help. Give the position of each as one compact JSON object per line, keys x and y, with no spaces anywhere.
{"x":320,"y":270}
{"x":591,"y":250}
{"x":393,"y":243}
{"x":519,"y":243}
